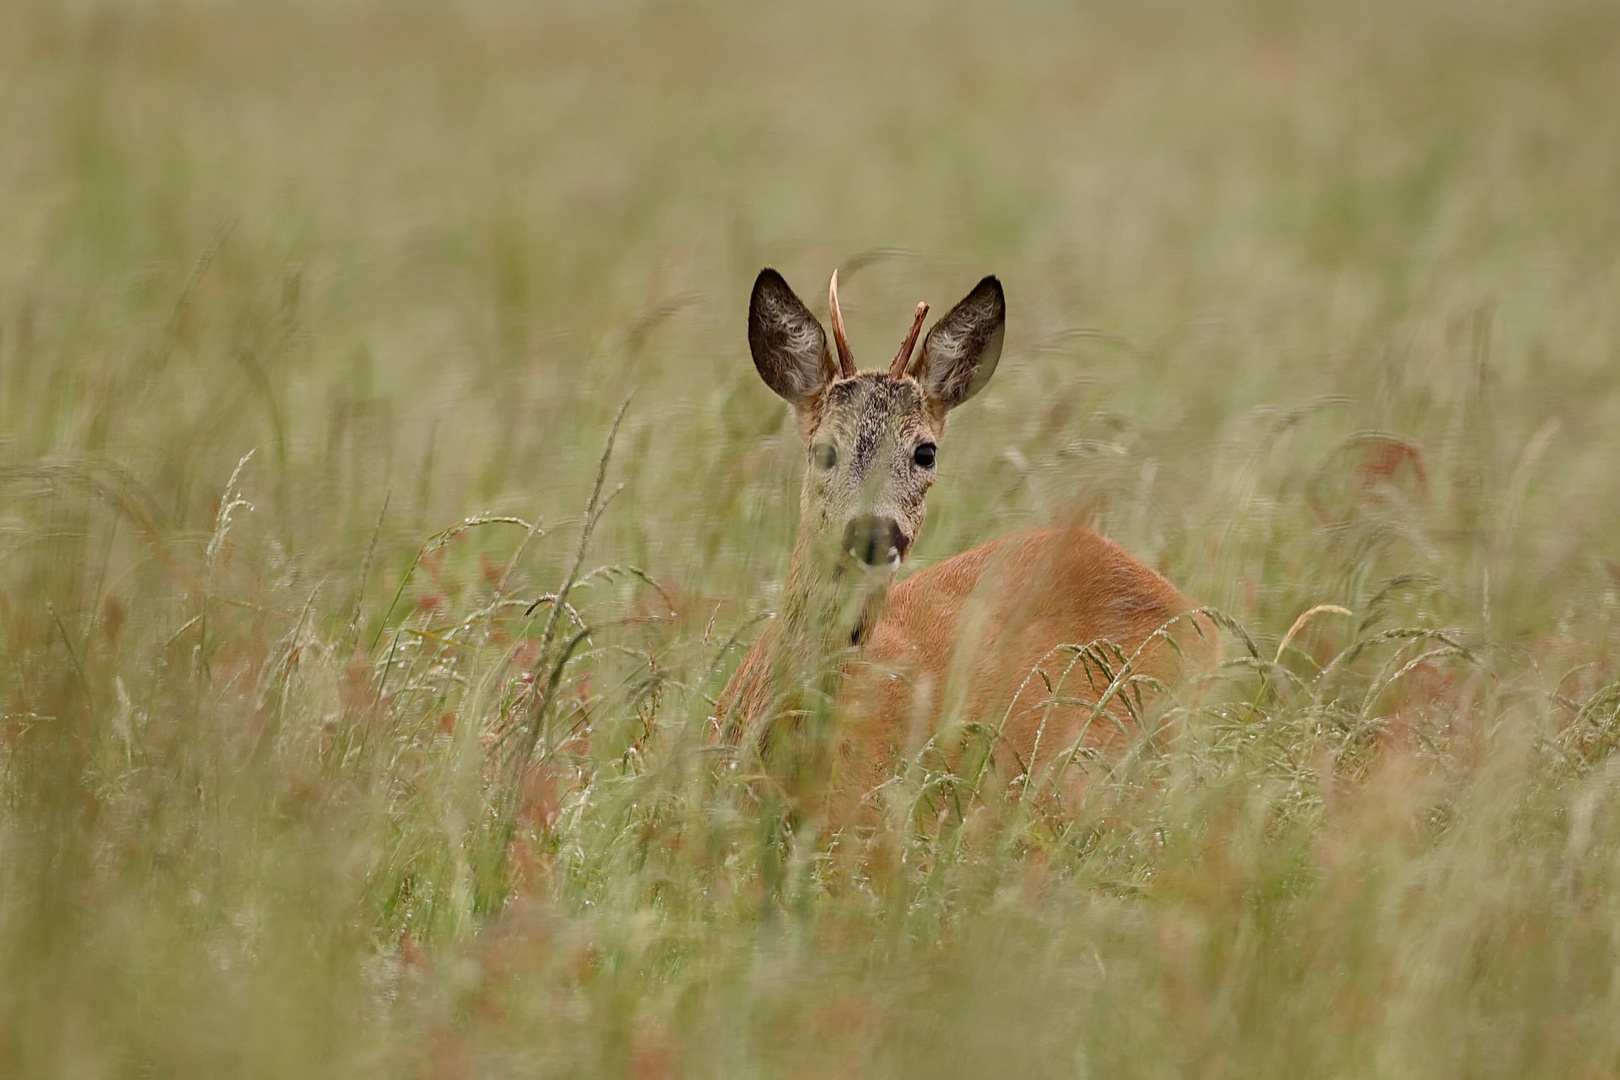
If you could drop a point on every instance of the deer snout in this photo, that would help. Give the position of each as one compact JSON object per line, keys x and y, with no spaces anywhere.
{"x":876,"y":542}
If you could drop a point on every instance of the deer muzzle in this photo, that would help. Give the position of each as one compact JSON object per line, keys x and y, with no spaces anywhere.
{"x":876,"y":542}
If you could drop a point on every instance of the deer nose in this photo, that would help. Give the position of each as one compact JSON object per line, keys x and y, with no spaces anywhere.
{"x":876,"y":541}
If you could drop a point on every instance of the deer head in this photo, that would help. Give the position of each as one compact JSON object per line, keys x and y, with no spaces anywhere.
{"x":871,"y":437}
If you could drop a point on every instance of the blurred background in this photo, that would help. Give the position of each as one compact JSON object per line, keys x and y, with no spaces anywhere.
{"x":1309,"y":303}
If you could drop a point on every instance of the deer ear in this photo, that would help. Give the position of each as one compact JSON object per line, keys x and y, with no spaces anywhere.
{"x":789,"y":346}
{"x":961,"y":352}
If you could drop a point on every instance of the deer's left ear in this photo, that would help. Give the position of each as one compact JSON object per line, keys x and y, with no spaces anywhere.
{"x":961,"y":352}
{"x":789,"y":347}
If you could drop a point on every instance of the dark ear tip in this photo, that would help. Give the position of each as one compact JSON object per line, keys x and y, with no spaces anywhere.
{"x":768,"y":286}
{"x":991,"y":284}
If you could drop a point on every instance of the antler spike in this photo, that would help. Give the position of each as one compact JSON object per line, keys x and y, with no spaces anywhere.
{"x":846,"y":358}
{"x":903,"y":357}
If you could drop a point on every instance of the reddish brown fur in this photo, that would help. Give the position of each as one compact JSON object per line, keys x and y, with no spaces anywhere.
{"x":968,"y":640}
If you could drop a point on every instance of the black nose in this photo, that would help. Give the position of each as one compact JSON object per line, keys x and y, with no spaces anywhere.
{"x":876,"y":541}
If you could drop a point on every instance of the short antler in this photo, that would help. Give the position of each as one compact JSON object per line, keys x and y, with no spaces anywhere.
{"x":903,"y":357}
{"x":846,"y":358}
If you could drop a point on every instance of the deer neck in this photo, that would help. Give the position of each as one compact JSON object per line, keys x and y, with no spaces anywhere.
{"x":828,"y":606}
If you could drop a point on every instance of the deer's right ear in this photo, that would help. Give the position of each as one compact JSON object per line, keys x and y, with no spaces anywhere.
{"x":789,"y":346}
{"x":961,"y":352}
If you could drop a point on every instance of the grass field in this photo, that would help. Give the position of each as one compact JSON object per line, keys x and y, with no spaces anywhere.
{"x":314,"y":321}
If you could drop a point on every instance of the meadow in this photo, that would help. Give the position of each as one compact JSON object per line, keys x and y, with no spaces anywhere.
{"x":386,"y":493}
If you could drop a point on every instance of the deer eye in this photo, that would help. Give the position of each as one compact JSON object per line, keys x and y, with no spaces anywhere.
{"x":924,"y":455}
{"x":825,"y":455}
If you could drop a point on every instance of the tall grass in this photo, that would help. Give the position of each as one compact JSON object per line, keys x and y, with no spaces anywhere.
{"x":357,"y":647}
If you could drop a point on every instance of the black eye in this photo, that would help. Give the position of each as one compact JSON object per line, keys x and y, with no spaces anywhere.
{"x":924,"y":456}
{"x":825,"y":455}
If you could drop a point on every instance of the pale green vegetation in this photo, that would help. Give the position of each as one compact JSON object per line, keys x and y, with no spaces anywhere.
{"x":1309,"y":304}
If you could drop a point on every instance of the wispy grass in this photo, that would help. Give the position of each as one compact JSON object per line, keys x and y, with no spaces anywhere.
{"x":348,"y":728}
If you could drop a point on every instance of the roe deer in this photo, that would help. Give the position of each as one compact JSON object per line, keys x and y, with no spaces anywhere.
{"x":975,"y":638}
